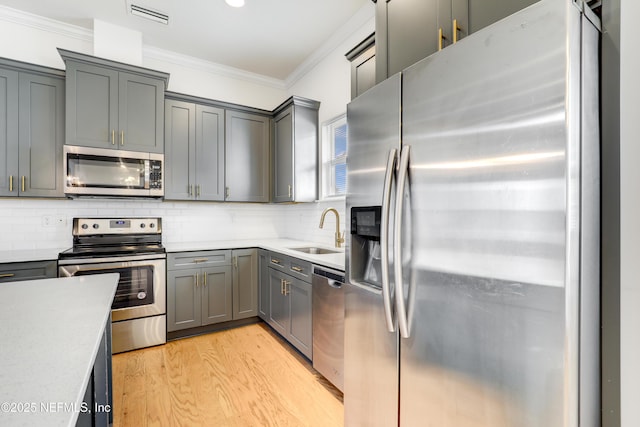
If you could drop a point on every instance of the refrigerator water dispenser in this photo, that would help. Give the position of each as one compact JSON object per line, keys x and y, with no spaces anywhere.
{"x":365,"y":246}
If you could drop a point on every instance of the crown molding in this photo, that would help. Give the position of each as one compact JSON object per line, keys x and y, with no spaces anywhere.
{"x":210,"y":67}
{"x":20,"y":17}
{"x":362,"y":17}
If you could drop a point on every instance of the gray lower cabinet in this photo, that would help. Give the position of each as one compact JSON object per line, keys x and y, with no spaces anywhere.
{"x":287,"y":285}
{"x":113,"y":105}
{"x":31,"y":270}
{"x":31,"y":132}
{"x":247,"y":153}
{"x":198,"y":297}
{"x":245,"y":283}
{"x":295,"y":153}
{"x":263,"y":284}
{"x":208,"y":287}
{"x":194,"y":151}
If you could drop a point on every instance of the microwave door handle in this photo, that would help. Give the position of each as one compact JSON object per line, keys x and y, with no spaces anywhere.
{"x":384,"y":239}
{"x":147,"y":174}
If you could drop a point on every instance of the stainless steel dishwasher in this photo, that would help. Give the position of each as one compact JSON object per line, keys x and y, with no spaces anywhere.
{"x":328,"y":324}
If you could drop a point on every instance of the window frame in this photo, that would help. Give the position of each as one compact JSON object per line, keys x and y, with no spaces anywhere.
{"x":328,"y":158}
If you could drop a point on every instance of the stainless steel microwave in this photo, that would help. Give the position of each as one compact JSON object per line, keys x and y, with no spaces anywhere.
{"x":105,"y":172}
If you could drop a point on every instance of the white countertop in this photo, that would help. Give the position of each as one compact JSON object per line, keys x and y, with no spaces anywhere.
{"x":31,"y":255}
{"x":50,"y":334}
{"x":282,"y":246}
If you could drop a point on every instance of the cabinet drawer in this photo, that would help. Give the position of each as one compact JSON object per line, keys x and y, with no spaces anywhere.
{"x":278,"y":261}
{"x":185,"y":260}
{"x":300,"y":269}
{"x":17,"y":271}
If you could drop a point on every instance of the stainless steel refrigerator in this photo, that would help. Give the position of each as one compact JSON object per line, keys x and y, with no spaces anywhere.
{"x":472,"y":295}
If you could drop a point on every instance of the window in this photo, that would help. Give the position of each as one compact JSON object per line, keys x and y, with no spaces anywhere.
{"x":334,"y":157}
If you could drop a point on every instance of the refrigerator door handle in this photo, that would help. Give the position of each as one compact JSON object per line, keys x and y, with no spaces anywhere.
{"x":403,"y":322}
{"x":384,"y":239}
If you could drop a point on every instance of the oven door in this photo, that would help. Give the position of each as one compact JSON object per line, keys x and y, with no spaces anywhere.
{"x":141,"y":290}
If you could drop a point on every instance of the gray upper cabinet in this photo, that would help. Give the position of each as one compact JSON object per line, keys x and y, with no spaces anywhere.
{"x":31,"y":130}
{"x":410,"y":30}
{"x":41,"y":136}
{"x":8,"y":132}
{"x":194,"y":151}
{"x":295,"y":154}
{"x":247,"y":157}
{"x":363,"y":66}
{"x":113,"y":105}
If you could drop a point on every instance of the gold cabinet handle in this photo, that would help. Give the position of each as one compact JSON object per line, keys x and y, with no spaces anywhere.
{"x":235,"y":262}
{"x":286,"y":287}
{"x":10,"y":183}
{"x":190,"y":190}
{"x":122,"y":138}
{"x":113,"y":137}
{"x":298,"y":269}
{"x":456,"y":28}
{"x":24,"y":184}
{"x":441,"y":39}
{"x":3,"y":276}
{"x":198,"y":190}
{"x":281,"y":286}
{"x":226,"y":192}
{"x":195,"y":278}
{"x":289,"y":191}
{"x":275,"y":261}
{"x":204,"y":280}
{"x":198,"y":260}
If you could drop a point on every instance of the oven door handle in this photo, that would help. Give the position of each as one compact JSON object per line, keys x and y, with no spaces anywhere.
{"x":120,"y":260}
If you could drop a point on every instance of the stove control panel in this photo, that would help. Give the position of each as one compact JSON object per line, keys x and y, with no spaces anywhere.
{"x":90,"y":226}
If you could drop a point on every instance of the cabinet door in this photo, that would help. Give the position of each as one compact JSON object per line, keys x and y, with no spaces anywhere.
{"x":283,"y":166}
{"x":18,"y":271}
{"x":183,"y":299}
{"x":263,"y":285}
{"x":408,"y":33}
{"x":141,"y":113}
{"x":41,"y":120}
{"x":209,"y":161}
{"x":92,"y":106}
{"x":180,"y":150}
{"x":245,"y":283}
{"x":216,"y":285}
{"x":483,"y":13}
{"x":363,"y":72}
{"x":301,"y":327}
{"x":8,"y":133}
{"x":247,"y":157}
{"x":279,"y":310}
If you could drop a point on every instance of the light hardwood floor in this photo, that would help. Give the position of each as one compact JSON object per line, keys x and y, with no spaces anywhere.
{"x":246,"y":376}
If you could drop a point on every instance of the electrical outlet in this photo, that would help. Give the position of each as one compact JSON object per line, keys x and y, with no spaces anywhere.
{"x":54,"y":221}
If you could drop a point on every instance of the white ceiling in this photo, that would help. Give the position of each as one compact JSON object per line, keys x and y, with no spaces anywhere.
{"x":267,"y":37}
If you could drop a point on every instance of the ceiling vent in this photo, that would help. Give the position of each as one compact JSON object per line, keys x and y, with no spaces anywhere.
{"x":147,"y":13}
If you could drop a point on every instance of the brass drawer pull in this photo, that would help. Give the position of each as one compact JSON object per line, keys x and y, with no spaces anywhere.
{"x":275,"y":261}
{"x":11,"y":183}
{"x":298,"y":269}
{"x":3,"y":276}
{"x":197,"y":260}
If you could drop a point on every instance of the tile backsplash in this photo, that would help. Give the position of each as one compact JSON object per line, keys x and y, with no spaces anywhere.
{"x":41,"y":224}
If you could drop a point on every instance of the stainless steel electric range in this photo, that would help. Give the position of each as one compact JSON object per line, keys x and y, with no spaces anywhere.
{"x":133,"y":248}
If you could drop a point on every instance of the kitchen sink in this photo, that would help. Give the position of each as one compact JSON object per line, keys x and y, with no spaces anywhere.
{"x":315,"y":251}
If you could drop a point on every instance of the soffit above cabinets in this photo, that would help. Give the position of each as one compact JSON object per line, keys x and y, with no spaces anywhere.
{"x":270,"y":38}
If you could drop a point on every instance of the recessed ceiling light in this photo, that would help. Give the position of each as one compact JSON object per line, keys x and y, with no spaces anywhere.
{"x":235,"y":3}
